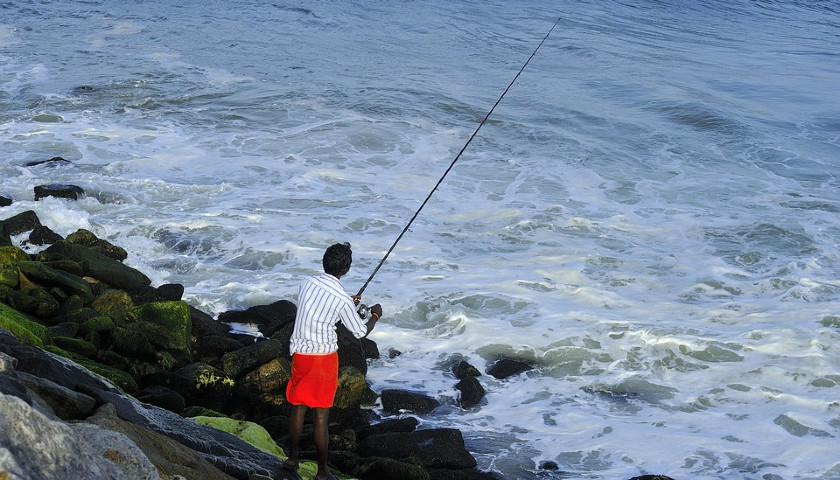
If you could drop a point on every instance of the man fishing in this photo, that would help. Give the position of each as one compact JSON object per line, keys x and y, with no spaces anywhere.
{"x":322,"y":303}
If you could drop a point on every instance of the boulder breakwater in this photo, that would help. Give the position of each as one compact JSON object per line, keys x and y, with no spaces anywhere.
{"x":104,"y":376}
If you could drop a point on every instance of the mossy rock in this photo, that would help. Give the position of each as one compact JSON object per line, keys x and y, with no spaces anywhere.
{"x":11,"y":256}
{"x":10,"y":277}
{"x":76,"y":345}
{"x":44,"y":275}
{"x":269,"y":377}
{"x":250,"y":432}
{"x":117,"y":377}
{"x":37,"y":302}
{"x":99,"y":266}
{"x":88,"y":239}
{"x":113,"y":303}
{"x":169,"y":325}
{"x":22,"y":327}
{"x":195,"y":411}
{"x":351,"y":387}
{"x":132,"y":341}
{"x":204,"y":377}
{"x":122,"y":379}
{"x":100,"y":324}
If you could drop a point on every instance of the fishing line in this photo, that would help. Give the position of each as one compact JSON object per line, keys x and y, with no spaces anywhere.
{"x":375,"y":270}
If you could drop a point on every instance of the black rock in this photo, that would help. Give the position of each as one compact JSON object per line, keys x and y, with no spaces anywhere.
{"x":5,"y":201}
{"x":42,"y":235}
{"x":52,"y":161}
{"x":471,"y":392}
{"x":22,"y":222}
{"x":72,"y":192}
{"x":463,"y":369}
{"x":268,"y":318}
{"x":163,"y":397}
{"x":396,"y":401}
{"x":396,"y":425}
{"x":432,"y":448}
{"x":507,"y":367}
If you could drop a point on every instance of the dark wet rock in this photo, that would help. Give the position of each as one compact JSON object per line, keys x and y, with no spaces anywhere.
{"x":52,"y":162}
{"x":351,"y":351}
{"x":214,"y":346}
{"x":170,"y":292}
{"x":42,"y":235}
{"x":163,"y":397}
{"x":239,"y":361}
{"x":379,"y":468}
{"x":433,"y":448}
{"x":463,"y":369}
{"x":471,"y":392}
{"x":508,"y":367}
{"x":5,"y":201}
{"x":86,"y":238}
{"x":396,"y":425}
{"x":73,"y":192}
{"x":268,"y":318}
{"x":204,"y":324}
{"x":396,"y":401}
{"x":22,"y":222}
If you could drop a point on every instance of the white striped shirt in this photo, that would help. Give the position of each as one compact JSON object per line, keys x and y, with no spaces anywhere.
{"x":322,"y":302}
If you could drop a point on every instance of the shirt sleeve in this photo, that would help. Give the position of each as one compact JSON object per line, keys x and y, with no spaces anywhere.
{"x":350,"y":318}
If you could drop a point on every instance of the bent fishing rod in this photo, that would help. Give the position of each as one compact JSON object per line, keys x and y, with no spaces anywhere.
{"x":363,"y":308}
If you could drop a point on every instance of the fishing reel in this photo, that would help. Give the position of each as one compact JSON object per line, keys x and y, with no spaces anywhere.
{"x":363,"y":311}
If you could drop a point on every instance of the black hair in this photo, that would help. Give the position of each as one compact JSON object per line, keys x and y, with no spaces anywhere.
{"x":337,"y":258}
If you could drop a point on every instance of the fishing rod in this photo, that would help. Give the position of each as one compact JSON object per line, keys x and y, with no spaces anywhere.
{"x":363,"y":308}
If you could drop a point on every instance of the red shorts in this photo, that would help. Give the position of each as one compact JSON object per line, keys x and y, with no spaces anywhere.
{"x":314,"y":380}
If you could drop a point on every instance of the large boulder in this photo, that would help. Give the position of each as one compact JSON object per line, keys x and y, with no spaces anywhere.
{"x":73,"y":192}
{"x":50,"y":277}
{"x":166,"y":326}
{"x":86,"y":238}
{"x":395,"y":401}
{"x":34,"y":446}
{"x":240,"y":361}
{"x":97,"y":265}
{"x":168,"y":456}
{"x":433,"y":448}
{"x":22,"y":327}
{"x":508,"y":367}
{"x":22,"y":222}
{"x":268,"y":318}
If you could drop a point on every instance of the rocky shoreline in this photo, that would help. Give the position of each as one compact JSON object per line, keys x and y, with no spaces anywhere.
{"x":86,"y":340}
{"x":104,"y":376}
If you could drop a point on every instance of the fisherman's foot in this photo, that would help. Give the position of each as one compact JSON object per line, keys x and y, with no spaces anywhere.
{"x":291,"y":465}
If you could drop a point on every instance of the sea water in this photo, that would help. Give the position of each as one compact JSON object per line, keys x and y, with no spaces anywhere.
{"x":650,"y":216}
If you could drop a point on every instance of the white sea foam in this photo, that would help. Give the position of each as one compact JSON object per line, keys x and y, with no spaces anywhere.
{"x":646,"y":218}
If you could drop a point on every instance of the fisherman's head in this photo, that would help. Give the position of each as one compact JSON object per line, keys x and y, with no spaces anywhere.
{"x":337,"y":259}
